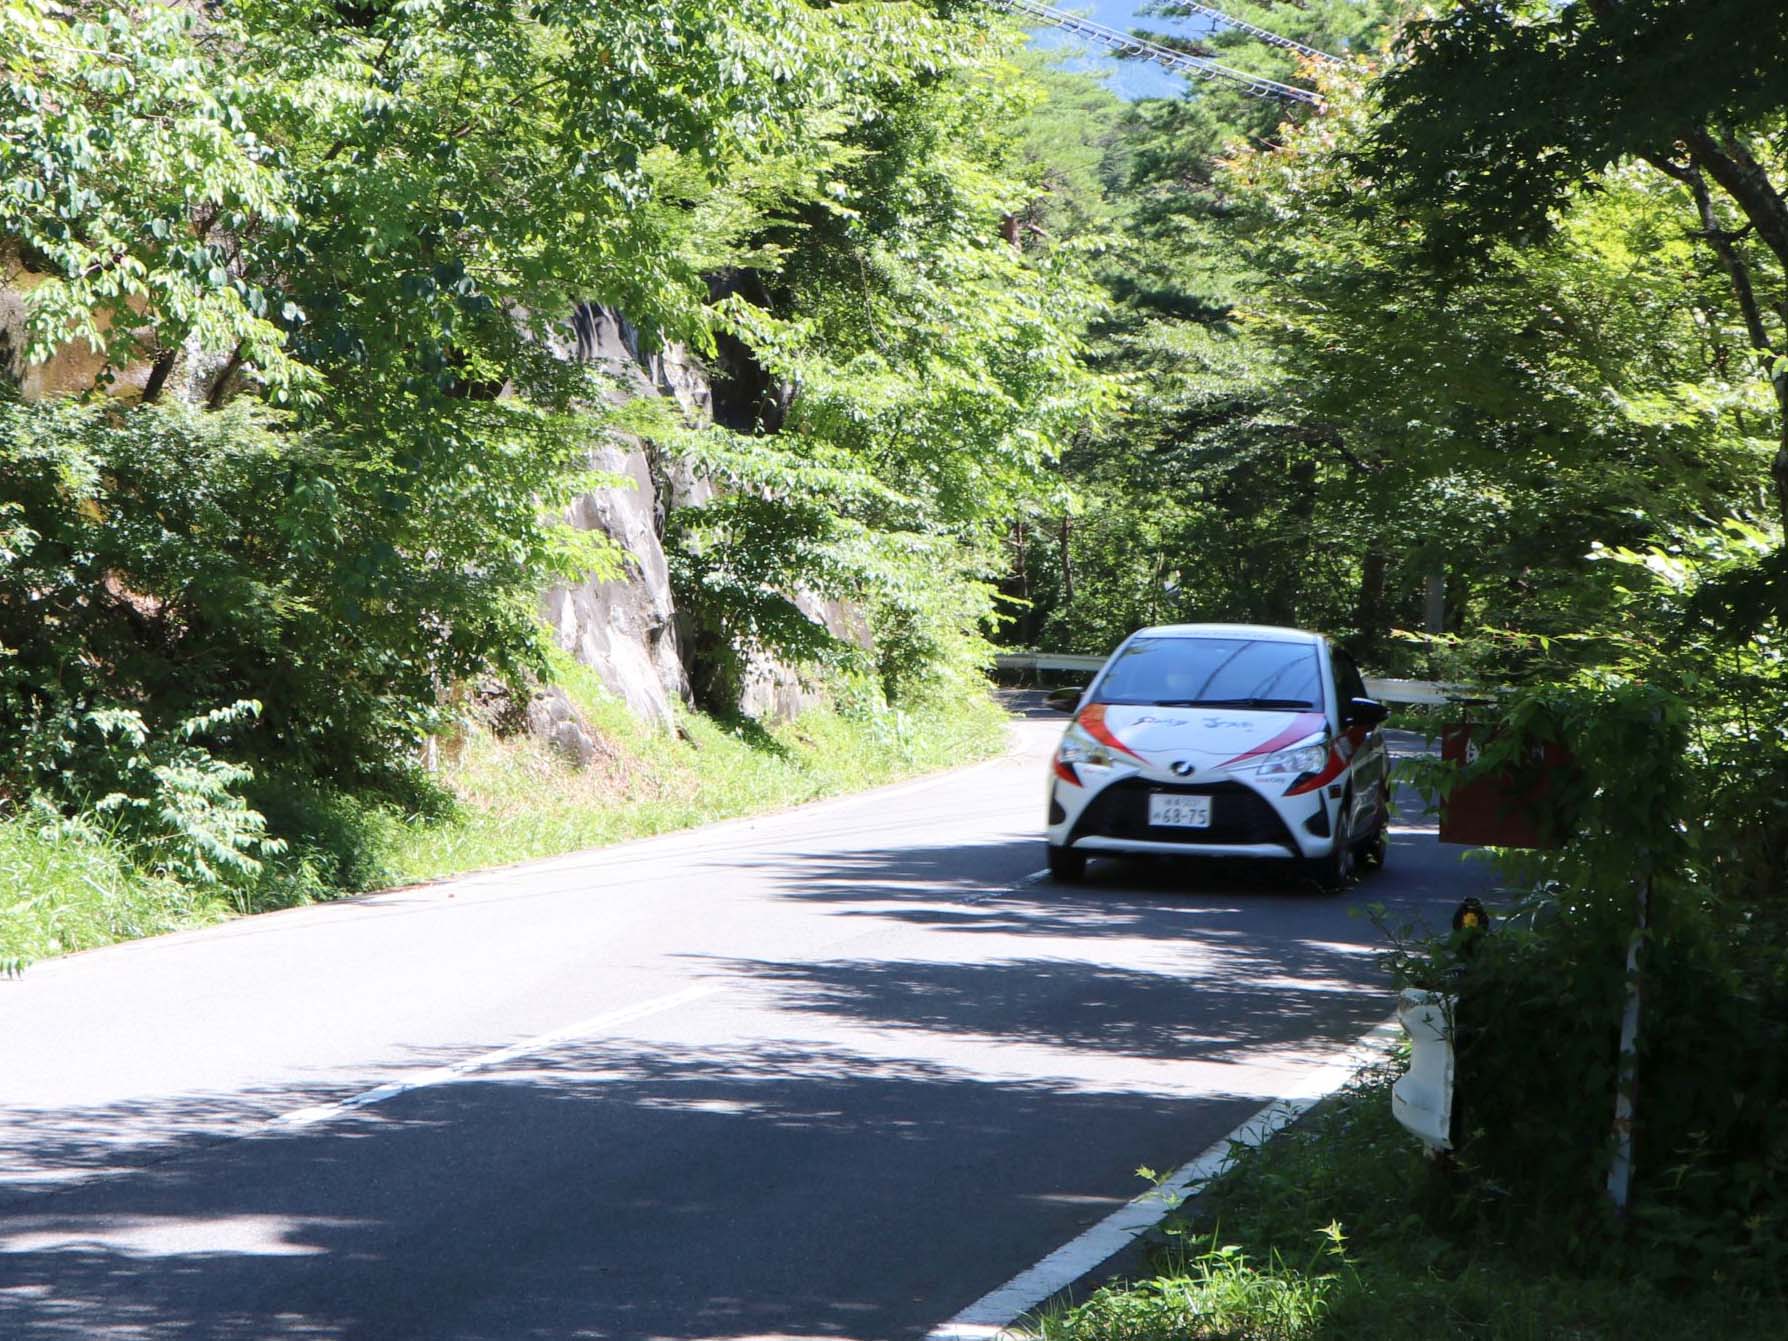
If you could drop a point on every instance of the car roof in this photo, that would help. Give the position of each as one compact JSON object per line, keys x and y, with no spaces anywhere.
{"x":1260,"y":632}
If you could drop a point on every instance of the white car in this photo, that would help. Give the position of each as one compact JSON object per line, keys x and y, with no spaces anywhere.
{"x":1223,"y":740}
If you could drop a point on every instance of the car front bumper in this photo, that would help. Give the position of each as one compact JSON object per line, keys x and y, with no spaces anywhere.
{"x":1110,"y":814}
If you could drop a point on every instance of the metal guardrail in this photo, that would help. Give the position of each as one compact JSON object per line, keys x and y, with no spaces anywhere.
{"x":1423,"y":691}
{"x":1385,"y":691}
{"x":1058,"y":661}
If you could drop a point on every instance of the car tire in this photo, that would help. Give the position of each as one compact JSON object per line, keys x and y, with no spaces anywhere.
{"x":1371,"y":856}
{"x":1066,"y":866}
{"x":1372,"y":852}
{"x":1334,"y":873}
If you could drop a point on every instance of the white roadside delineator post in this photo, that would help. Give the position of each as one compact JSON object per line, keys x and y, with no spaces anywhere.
{"x":1422,"y":1100}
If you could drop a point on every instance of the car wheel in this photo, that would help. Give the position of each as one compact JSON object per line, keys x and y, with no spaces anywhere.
{"x":1066,"y":866}
{"x":1372,"y":855}
{"x":1336,"y":871}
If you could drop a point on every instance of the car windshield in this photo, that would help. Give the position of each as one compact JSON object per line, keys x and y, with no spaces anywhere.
{"x":1214,"y":672}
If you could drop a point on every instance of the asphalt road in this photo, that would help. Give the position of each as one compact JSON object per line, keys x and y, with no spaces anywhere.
{"x":837,"y":1072}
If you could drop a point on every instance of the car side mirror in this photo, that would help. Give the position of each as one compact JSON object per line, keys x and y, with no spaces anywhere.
{"x":1366,"y":712}
{"x":1066,"y":699}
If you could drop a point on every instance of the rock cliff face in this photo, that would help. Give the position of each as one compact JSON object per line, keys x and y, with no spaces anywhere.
{"x":625,"y":629}
{"x":76,"y":368}
{"x":774,"y":691}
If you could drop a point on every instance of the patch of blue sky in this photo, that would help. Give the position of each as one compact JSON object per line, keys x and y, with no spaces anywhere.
{"x":1128,"y":79}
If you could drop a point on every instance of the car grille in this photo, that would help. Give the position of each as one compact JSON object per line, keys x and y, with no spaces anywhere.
{"x":1238,"y":815}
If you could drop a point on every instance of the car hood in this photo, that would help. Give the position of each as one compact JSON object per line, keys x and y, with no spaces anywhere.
{"x":1207,"y":737}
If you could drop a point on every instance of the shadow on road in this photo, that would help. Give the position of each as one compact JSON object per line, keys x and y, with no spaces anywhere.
{"x":1238,"y":1001}
{"x":1030,"y":705}
{"x":388,"y":1225}
{"x":973,"y":887}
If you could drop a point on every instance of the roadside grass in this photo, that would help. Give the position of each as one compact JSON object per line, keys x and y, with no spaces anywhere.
{"x":66,"y":887}
{"x":1340,"y":1230}
{"x":1217,"y":1294}
{"x":519,"y":800}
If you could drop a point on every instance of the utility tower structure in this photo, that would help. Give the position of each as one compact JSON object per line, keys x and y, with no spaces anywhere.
{"x":1198,"y":67}
{"x":1266,"y":35}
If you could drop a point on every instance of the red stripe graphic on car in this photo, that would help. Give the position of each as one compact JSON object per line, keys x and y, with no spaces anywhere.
{"x":1304,"y":724}
{"x":1092,"y":721}
{"x":1330,"y":771}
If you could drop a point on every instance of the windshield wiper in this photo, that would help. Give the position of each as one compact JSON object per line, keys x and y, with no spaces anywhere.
{"x":1259,"y":703}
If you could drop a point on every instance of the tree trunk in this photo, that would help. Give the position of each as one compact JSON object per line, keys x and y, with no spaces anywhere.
{"x":1434,"y":604}
{"x":1765,"y":203}
{"x":1626,"y":1085}
{"x":1369,"y":613}
{"x":1747,"y":183}
{"x":158,"y":375}
{"x":1779,"y":467}
{"x":1067,"y":563}
{"x":221,"y":387}
{"x":1744,"y":179}
{"x":1283,"y":604}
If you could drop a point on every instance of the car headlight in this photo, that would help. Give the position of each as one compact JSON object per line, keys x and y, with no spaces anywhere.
{"x":1299,"y":759}
{"x":1078,"y":747}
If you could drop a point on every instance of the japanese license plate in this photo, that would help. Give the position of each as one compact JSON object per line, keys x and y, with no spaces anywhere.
{"x":1168,"y":811}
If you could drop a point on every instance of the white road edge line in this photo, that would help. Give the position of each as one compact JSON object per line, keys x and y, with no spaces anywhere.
{"x":991,"y":1317}
{"x":1001,"y":891}
{"x":440,"y":1075}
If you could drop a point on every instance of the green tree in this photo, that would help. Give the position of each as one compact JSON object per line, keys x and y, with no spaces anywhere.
{"x":1204,"y":501}
{"x":1503,"y":417}
{"x":901,"y":382}
{"x":1497,"y":114}
{"x":352,"y":236}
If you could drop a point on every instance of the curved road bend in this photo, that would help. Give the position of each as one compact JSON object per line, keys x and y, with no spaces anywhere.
{"x":837,"y":1072}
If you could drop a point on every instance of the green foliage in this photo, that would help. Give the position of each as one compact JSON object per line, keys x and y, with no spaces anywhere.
{"x":1503,"y":421}
{"x":179,"y":806}
{"x":1585,"y":88}
{"x":1343,"y":1224}
{"x":66,"y":887}
{"x":896,"y":386}
{"x":132,"y":177}
{"x":1539,"y":1000}
{"x":1339,"y":1229}
{"x":742,"y":565}
{"x":1323,"y":414}
{"x":304,"y":273}
{"x":171,"y":560}
{"x":1539,"y":1004}
{"x":1214,"y":1295}
{"x":1217,"y":495}
{"x":1499,"y":113}
{"x":1425,"y":1258}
